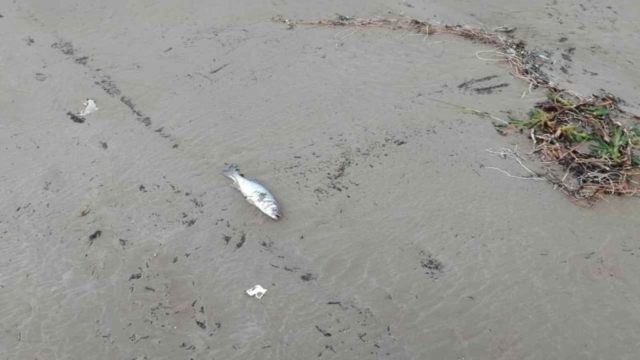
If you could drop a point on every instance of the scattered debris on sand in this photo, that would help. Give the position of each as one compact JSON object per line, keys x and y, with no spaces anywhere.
{"x":590,"y":138}
{"x":525,"y":64}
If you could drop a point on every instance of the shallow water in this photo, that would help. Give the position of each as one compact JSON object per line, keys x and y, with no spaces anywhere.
{"x":397,"y":242}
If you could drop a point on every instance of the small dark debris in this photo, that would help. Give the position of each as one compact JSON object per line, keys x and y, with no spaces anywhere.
{"x":104,"y":145}
{"x":29,"y":41}
{"x":41,"y":76}
{"x":190,"y":222}
{"x":243,"y":238}
{"x":149,"y":288}
{"x":268,"y":245}
{"x":94,"y":236}
{"x":309,"y":277}
{"x":82,"y":60}
{"x":563,"y":39}
{"x":75,"y":118}
{"x":169,"y":49}
{"x":323,"y":332}
{"x":567,"y":57}
{"x":135,"y":276}
{"x":65,"y":47}
{"x":123,"y":242}
{"x":201,"y":324}
{"x":334,"y":303}
{"x":142,"y":188}
{"x":226,"y":239}
{"x":434,"y":266}
{"x":175,"y":259}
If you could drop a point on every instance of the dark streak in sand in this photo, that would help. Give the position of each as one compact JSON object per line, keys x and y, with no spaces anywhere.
{"x":218,"y":69}
{"x":323,"y":332}
{"x":466,"y":84}
{"x":489,"y":89}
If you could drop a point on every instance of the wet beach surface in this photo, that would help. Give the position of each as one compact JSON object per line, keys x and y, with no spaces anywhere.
{"x":120,"y":239}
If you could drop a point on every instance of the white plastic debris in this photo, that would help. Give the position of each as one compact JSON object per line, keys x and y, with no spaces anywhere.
{"x":90,"y":106}
{"x":257,"y":290}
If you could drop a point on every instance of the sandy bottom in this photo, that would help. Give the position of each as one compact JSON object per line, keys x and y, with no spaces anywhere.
{"x":119,"y":238}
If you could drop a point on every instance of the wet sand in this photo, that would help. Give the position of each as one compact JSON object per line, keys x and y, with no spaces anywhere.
{"x":119,"y":238}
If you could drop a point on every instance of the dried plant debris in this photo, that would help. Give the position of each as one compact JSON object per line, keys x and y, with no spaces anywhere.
{"x":525,"y":64}
{"x":591,"y":139}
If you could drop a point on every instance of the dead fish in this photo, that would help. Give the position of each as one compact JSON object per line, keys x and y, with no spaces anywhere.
{"x":255,"y":193}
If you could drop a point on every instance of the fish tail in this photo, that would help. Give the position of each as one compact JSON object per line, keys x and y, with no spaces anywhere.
{"x":230,"y":171}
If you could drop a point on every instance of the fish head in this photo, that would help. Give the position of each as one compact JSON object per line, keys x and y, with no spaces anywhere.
{"x":273,"y":212}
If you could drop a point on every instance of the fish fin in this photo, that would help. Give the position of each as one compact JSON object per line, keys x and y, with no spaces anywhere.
{"x":230,"y":171}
